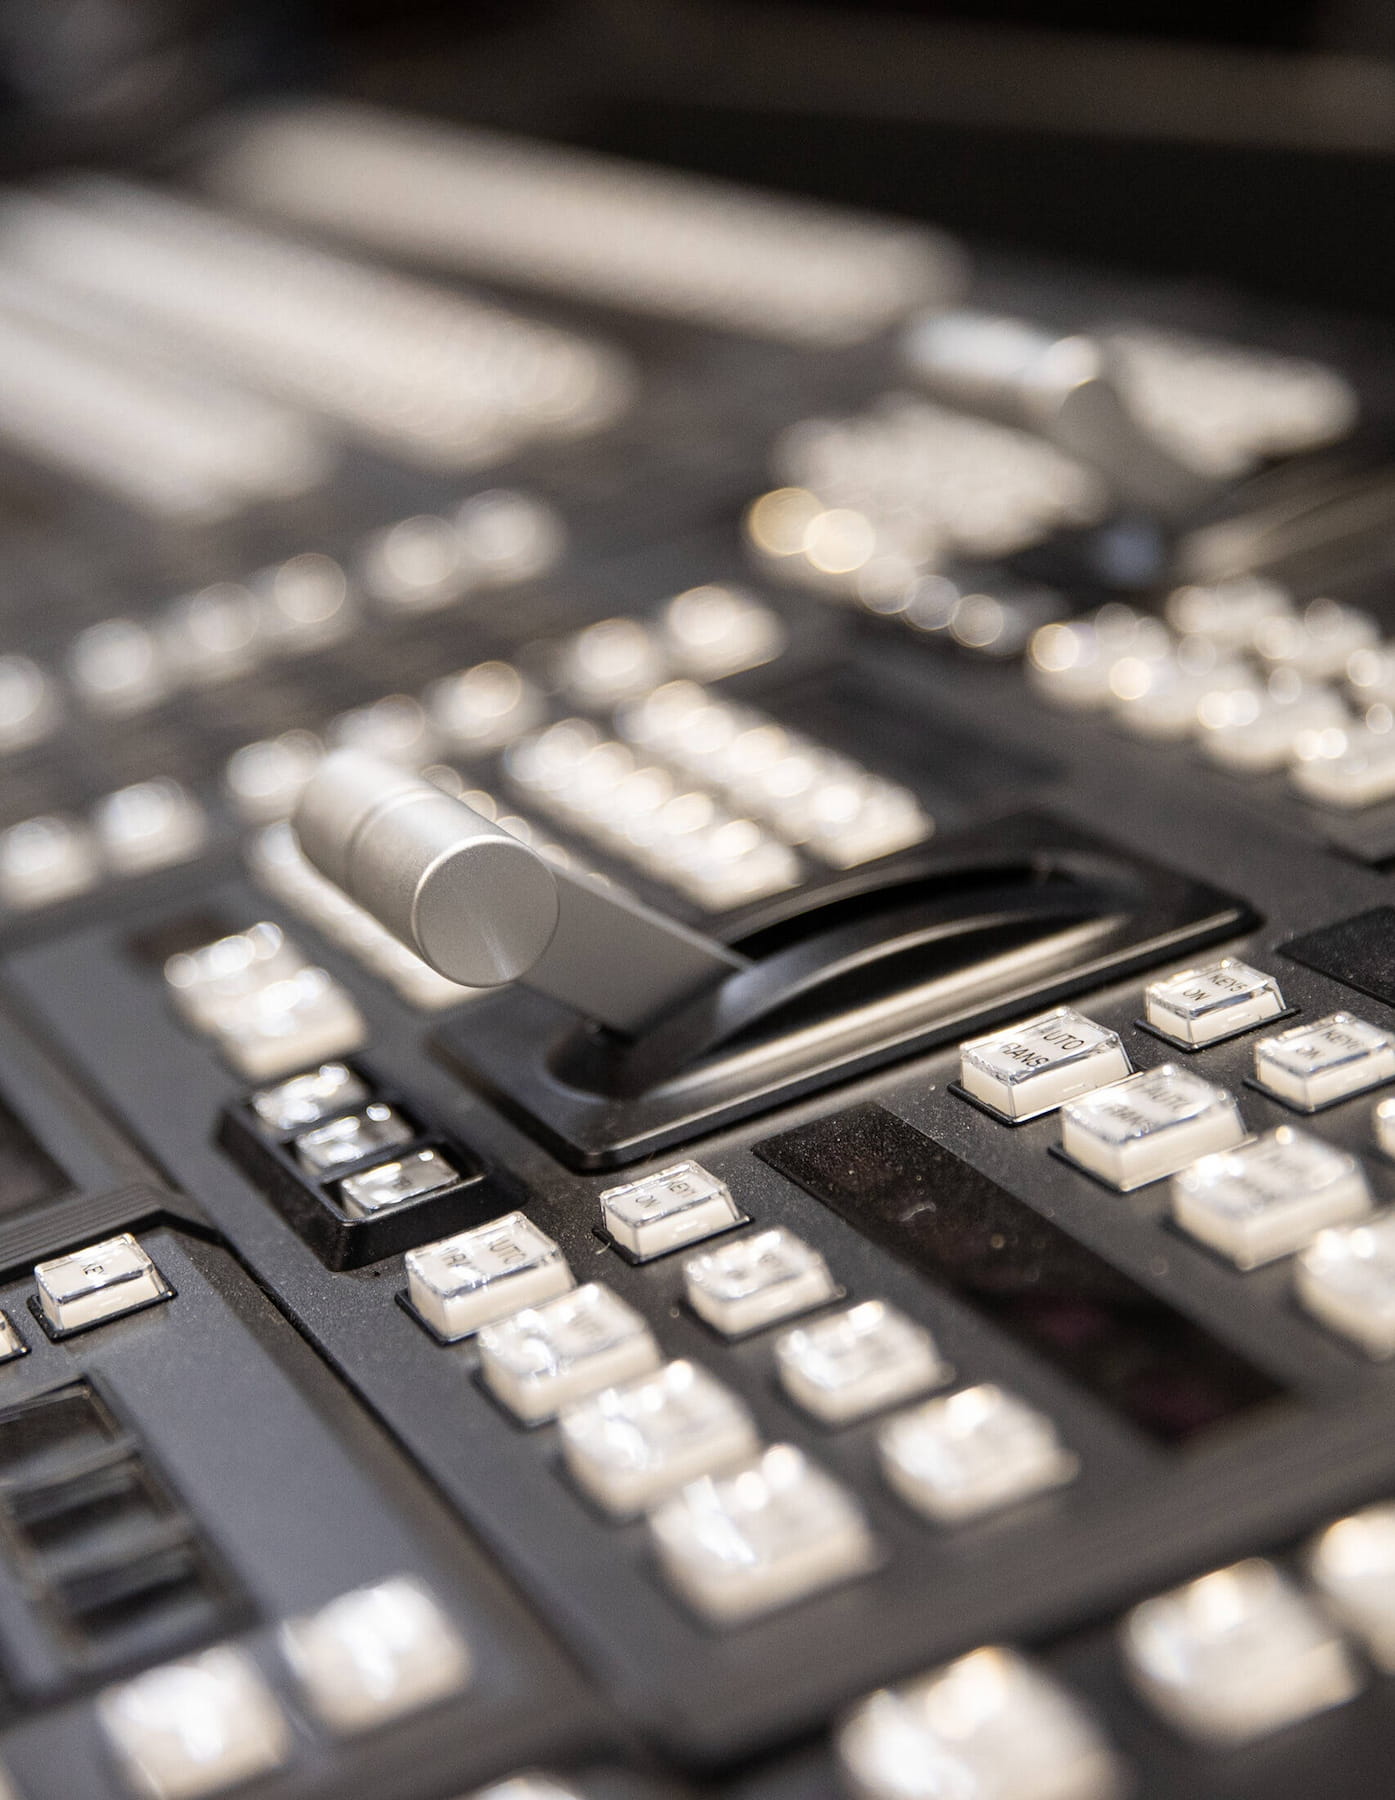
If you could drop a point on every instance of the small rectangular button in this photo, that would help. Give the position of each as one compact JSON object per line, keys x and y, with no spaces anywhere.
{"x":1033,"y":1067}
{"x":1352,"y":1565}
{"x":1202,"y":1006}
{"x":740,"y":1545}
{"x":1267,"y":1198}
{"x":756,"y":1280}
{"x":628,"y":1447}
{"x":1328,"y":1060}
{"x":664,"y":1211}
{"x":99,"y":1283}
{"x":1150,"y":1125}
{"x":306,"y":1099}
{"x":376,"y":1654}
{"x":351,"y":1138}
{"x":1236,"y":1655}
{"x":856,"y":1362}
{"x":479,"y":1276}
{"x":972,"y":1453}
{"x":550,"y":1356}
{"x":391,"y":1184}
{"x":1346,"y":1280}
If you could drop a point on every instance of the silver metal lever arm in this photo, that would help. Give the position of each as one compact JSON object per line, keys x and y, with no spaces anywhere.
{"x":484,"y":909}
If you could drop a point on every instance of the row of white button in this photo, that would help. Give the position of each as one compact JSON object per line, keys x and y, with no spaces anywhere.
{"x":148,"y":825}
{"x":211,"y":1721}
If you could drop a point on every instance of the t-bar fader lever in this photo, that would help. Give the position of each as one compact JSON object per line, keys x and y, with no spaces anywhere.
{"x":484,"y":909}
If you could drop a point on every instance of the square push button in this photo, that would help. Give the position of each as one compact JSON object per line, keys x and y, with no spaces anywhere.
{"x":195,"y":1727}
{"x":1033,"y":1067}
{"x":1149,"y":1126}
{"x":1267,"y":1198}
{"x":99,"y":1283}
{"x":1346,"y":1280}
{"x":662,"y":1212}
{"x":548,"y":1357}
{"x":1318,"y":1064}
{"x":473,"y":1279}
{"x":1202,"y":1006}
{"x":751,"y":1283}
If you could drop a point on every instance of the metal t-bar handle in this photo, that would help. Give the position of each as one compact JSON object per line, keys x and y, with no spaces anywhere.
{"x":484,"y":909}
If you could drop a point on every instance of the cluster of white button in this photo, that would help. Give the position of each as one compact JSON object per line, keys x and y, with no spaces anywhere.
{"x":267,"y":1009}
{"x":148,"y":825}
{"x":812,"y":797}
{"x":212,"y":1721}
{"x":678,"y":832}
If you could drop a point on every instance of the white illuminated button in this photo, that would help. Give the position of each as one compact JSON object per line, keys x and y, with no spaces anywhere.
{"x":971,"y":1453}
{"x":629,"y":1447}
{"x":306,"y":1099}
{"x":376,"y":1654}
{"x":664,"y":1211}
{"x":149,"y":825}
{"x":739,"y":1545}
{"x":1267,"y":1198}
{"x":857,"y":1362}
{"x":1355,"y":768}
{"x":1227,"y":613}
{"x":1254,"y":731}
{"x":1330,"y":1059}
{"x":1236,"y":1655}
{"x":714,"y":631}
{"x":98,"y":1283}
{"x":530,"y":1784}
{"x":45,"y":860}
{"x":1352,"y":1565}
{"x":1033,"y":1067}
{"x":1346,"y":1280}
{"x":757,"y":1280}
{"x":1384,"y":1122}
{"x":479,"y":1276}
{"x":396,"y":1183}
{"x":1317,"y":643}
{"x":1148,"y":1126}
{"x":548,"y":1357}
{"x":989,"y":1726}
{"x":11,"y":1343}
{"x":1204,"y":1005}
{"x":351,"y":1138}
{"x":195,"y":1727}
{"x":507,"y":536}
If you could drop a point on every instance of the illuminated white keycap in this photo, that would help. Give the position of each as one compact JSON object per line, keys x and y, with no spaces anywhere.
{"x":306,"y":1099}
{"x":629,"y":1447}
{"x":1267,"y":1198}
{"x":351,"y":1138}
{"x":1312,"y":1065}
{"x":1352,"y":1564}
{"x":507,"y":536}
{"x":990,"y":1726}
{"x":195,"y":1727}
{"x":98,"y":1283}
{"x":739,"y":1545}
{"x":396,"y":1183}
{"x":1228,"y":613}
{"x":714,"y":631}
{"x":376,"y":1654}
{"x":11,"y":1343}
{"x":45,"y":860}
{"x":149,"y":825}
{"x":1236,"y":1655}
{"x":1318,"y":642}
{"x":530,"y":1784}
{"x":661,"y":1212}
{"x":550,"y":1356}
{"x":1206,"y":1004}
{"x":971,"y":1453}
{"x":756,"y":1280}
{"x":1384,"y":1123}
{"x":1031,"y":1068}
{"x":479,"y":1276}
{"x":1346,"y":1279}
{"x":117,"y":667}
{"x":1348,"y":769}
{"x":1148,"y":1126}
{"x":856,"y":1362}
{"x":1252,"y":731}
